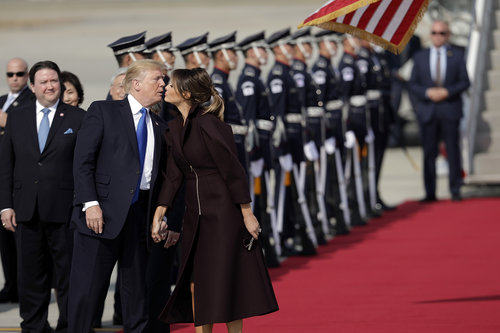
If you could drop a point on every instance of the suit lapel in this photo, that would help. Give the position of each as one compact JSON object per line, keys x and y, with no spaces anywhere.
{"x":30,"y":114}
{"x":158,"y":146}
{"x":125,"y":114}
{"x":449,"y":58}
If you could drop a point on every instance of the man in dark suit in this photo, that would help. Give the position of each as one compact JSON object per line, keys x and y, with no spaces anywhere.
{"x":116,"y":185}
{"x":18,"y":96}
{"x":36,"y":189}
{"x":438,"y":79}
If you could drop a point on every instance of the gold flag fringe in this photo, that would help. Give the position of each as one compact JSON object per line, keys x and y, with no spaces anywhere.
{"x":363,"y":34}
{"x":333,"y":15}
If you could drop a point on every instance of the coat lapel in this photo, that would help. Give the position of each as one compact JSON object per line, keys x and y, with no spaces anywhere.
{"x":158,"y":146}
{"x":125,"y":114}
{"x":31,"y":126}
{"x":427,"y":60}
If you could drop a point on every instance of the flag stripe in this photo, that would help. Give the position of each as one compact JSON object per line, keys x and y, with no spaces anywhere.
{"x":377,"y":16}
{"x":382,"y":25}
{"x":397,"y":19}
{"x":358,"y":14}
{"x":348,"y":17}
{"x":410,"y":20}
{"x":368,"y":15}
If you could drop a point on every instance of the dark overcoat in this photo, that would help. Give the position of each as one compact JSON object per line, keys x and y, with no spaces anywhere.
{"x":230,"y":282}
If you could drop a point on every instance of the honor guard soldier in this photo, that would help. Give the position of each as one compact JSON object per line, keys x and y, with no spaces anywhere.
{"x":327,"y":79}
{"x":293,"y":217}
{"x":313,"y":112}
{"x":194,"y":51}
{"x":253,"y":97}
{"x":352,"y":91}
{"x":127,"y":50}
{"x":225,"y":60}
{"x":370,"y":71}
{"x":160,"y":49}
{"x":382,"y":115}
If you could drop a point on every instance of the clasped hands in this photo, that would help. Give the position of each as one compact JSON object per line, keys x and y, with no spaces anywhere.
{"x":159,"y":228}
{"x":437,"y":94}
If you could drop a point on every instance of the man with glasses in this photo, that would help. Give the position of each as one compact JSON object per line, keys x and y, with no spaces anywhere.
{"x":19,"y":94}
{"x":438,"y":79}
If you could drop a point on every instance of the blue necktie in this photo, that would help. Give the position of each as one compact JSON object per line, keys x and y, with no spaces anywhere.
{"x":142,"y":140}
{"x":43,"y":130}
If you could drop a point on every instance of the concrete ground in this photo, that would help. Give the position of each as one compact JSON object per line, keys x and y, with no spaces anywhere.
{"x":74,"y":34}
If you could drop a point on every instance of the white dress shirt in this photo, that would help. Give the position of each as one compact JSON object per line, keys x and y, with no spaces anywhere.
{"x":39,"y":113}
{"x":433,"y":61}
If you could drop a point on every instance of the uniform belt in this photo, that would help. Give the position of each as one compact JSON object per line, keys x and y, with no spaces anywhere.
{"x":357,"y":100}
{"x":373,"y":95}
{"x":315,"y":111}
{"x":239,"y":129}
{"x":293,"y":118}
{"x":335,"y":104}
{"x":264,"y":125}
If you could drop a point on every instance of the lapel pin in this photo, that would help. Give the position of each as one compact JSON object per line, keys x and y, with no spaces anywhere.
{"x":16,"y":103}
{"x":156,"y":123}
{"x":449,"y":53}
{"x":61,"y":114}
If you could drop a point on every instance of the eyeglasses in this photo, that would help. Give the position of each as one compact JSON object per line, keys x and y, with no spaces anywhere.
{"x":442,"y":33}
{"x":18,"y":74}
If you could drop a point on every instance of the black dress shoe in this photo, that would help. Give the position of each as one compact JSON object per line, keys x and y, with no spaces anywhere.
{"x":384,"y":206}
{"x":428,"y":199}
{"x":456,"y":197}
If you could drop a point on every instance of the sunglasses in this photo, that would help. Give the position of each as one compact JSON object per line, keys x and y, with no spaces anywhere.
{"x":18,"y":74}
{"x":442,"y":33}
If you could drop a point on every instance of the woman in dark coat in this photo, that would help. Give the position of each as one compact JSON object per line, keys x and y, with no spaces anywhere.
{"x":222,"y":277}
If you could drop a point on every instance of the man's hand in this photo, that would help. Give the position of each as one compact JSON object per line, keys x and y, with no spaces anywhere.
{"x":158,"y":227}
{"x":94,"y":218}
{"x":437,"y":94}
{"x":9,"y":220}
{"x":3,"y":118}
{"x":172,"y":238}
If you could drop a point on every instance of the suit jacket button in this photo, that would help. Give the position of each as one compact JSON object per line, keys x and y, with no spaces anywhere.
{"x":36,"y":181}
{"x":132,"y":191}
{"x":40,"y":163}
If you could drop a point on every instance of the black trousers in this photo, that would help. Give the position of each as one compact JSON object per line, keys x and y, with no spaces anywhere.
{"x":41,"y":247}
{"x":92,"y":265}
{"x":9,"y":262}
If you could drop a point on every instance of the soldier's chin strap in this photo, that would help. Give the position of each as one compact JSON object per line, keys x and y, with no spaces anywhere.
{"x":131,"y":54}
{"x":302,"y":49}
{"x":256,"y":50}
{"x":329,"y":47}
{"x":160,"y":54}
{"x":353,"y":43}
{"x":231,"y":63}
{"x":285,"y":52}
{"x":198,"y":59}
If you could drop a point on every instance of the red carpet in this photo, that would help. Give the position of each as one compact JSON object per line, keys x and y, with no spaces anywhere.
{"x":423,"y":268}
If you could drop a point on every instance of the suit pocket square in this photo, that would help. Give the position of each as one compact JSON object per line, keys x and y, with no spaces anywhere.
{"x":69,"y":131}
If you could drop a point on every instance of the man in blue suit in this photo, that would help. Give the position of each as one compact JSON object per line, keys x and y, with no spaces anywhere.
{"x":118,"y":157}
{"x":437,"y":82}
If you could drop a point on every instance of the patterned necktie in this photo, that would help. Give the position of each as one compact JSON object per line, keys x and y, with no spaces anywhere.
{"x":43,"y":130}
{"x":142,"y":140}
{"x":438,"y":69}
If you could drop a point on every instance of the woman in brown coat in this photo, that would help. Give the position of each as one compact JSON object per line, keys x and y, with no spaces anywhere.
{"x":222,"y":277}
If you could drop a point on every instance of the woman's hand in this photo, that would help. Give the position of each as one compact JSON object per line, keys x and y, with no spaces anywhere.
{"x":250,"y":221}
{"x":158,"y":228}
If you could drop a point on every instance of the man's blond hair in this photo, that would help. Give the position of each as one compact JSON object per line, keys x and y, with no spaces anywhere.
{"x":137,"y":71}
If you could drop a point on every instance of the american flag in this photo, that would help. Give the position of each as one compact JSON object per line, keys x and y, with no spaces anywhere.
{"x":388,"y":23}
